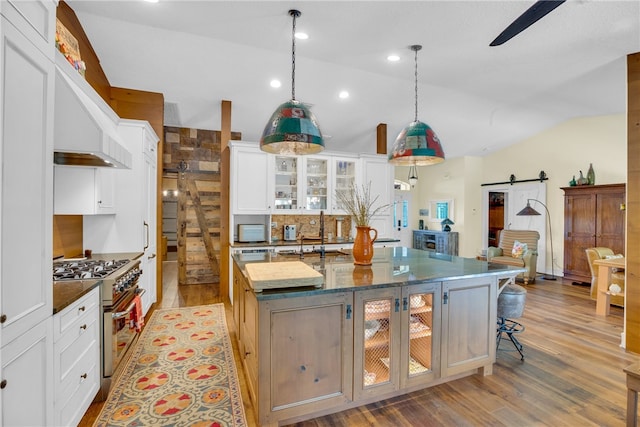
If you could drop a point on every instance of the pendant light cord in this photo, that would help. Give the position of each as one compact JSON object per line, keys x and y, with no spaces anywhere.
{"x":416,"y":48}
{"x":294,"y":13}
{"x":416,"y":76}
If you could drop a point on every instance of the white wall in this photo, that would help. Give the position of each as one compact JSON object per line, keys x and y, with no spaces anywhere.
{"x":561,"y":151}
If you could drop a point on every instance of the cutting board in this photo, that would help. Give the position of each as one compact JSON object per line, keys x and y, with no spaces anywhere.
{"x":282,"y":275}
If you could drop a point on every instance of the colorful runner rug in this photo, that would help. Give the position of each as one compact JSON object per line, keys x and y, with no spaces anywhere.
{"x":181,"y":373}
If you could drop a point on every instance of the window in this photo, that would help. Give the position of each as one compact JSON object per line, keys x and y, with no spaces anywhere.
{"x":440,"y":209}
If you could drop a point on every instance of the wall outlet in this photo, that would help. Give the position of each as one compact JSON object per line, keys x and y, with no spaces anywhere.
{"x":274,"y":225}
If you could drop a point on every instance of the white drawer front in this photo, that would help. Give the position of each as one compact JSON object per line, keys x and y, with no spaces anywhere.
{"x":71,"y":348}
{"x":73,"y":405}
{"x":75,"y":312}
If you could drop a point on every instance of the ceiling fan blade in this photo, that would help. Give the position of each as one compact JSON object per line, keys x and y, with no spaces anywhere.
{"x":528,"y":18}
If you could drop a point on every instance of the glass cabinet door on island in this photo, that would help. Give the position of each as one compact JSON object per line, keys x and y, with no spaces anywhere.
{"x":420,"y":355}
{"x":286,"y":184}
{"x":377,"y":342}
{"x":397,"y":340}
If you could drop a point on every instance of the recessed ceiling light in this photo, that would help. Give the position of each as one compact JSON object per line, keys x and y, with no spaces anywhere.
{"x":301,"y":36}
{"x":393,"y":58}
{"x":275,"y":83}
{"x":343,"y":94}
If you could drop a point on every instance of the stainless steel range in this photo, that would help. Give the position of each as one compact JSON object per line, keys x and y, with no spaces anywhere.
{"x":119,"y":287}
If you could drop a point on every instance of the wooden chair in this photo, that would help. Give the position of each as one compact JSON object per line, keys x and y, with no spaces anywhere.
{"x":616,"y":277}
{"x":503,"y":253}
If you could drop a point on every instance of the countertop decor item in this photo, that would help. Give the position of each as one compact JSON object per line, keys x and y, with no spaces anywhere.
{"x":358,"y":203}
{"x":528,"y":211}
{"x":292,"y":128}
{"x":417,"y":144}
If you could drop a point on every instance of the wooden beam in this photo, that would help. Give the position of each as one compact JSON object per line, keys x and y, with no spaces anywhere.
{"x":225,"y":186}
{"x":632,"y":252}
{"x":381,"y":134}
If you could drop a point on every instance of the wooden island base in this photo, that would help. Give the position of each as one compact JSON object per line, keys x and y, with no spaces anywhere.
{"x":309,"y":352}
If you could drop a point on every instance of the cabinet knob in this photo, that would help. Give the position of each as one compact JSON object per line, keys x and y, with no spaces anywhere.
{"x":3,"y":318}
{"x":84,"y":376}
{"x":82,"y":308}
{"x":3,"y":384}
{"x":84,"y":326}
{"x":99,"y":202}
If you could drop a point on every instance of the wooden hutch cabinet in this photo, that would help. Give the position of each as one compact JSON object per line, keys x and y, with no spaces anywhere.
{"x":594,"y":215}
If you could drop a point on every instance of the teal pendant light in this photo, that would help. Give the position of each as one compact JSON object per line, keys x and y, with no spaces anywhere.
{"x":292,"y":128}
{"x":417,"y":144}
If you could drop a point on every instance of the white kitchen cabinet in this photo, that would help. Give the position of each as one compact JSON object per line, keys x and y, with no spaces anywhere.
{"x":26,"y":144}
{"x":133,"y":227}
{"x":250,"y":179}
{"x":26,"y":398}
{"x":287,"y":180}
{"x":27,"y":31}
{"x":80,"y":190}
{"x":344,"y":173}
{"x":379,"y":173}
{"x":76,"y":367}
{"x":316,"y":186}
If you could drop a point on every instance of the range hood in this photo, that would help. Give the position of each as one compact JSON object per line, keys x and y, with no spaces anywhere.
{"x":85,"y":127}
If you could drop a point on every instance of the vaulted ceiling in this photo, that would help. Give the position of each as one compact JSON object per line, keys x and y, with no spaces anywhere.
{"x":477,"y":98}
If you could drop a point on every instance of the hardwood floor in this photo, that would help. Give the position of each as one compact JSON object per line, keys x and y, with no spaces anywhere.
{"x":572,"y":374}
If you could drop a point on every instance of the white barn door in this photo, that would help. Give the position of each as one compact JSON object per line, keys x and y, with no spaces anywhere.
{"x":515,"y":198}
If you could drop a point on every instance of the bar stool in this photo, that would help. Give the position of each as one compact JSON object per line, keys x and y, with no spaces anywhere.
{"x":511,"y":306}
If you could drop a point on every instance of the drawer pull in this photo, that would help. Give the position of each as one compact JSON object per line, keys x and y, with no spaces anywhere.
{"x":84,"y":327}
{"x":3,"y":318}
{"x":81,"y":308}
{"x":3,"y":384}
{"x":84,"y":376}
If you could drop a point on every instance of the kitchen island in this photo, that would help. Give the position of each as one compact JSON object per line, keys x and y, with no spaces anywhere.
{"x":413,"y":319}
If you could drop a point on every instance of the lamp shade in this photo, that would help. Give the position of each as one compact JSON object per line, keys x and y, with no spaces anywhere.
{"x":446,"y":224}
{"x":528,"y":211}
{"x":292,"y":129}
{"x":417,"y":144}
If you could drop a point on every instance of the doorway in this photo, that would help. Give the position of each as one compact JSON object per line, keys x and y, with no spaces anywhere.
{"x":496,"y":217}
{"x":514,"y":198}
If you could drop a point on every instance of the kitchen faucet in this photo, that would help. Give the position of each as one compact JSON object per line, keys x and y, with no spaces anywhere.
{"x":303,"y":238}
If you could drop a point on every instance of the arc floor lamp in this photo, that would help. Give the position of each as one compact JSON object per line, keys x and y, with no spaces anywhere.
{"x":529,"y":211}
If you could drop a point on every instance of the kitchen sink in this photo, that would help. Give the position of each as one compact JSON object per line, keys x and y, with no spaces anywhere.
{"x":314,"y":253}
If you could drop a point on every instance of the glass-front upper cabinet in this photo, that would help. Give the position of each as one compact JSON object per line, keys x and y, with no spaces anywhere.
{"x":344,"y":178}
{"x":316,"y":176}
{"x":286,"y":184}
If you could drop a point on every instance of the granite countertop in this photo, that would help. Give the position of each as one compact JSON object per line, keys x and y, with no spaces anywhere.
{"x":67,"y":291}
{"x":391,"y":266}
{"x":307,"y":242}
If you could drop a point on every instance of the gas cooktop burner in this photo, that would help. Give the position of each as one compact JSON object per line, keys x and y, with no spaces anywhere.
{"x":87,"y":269}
